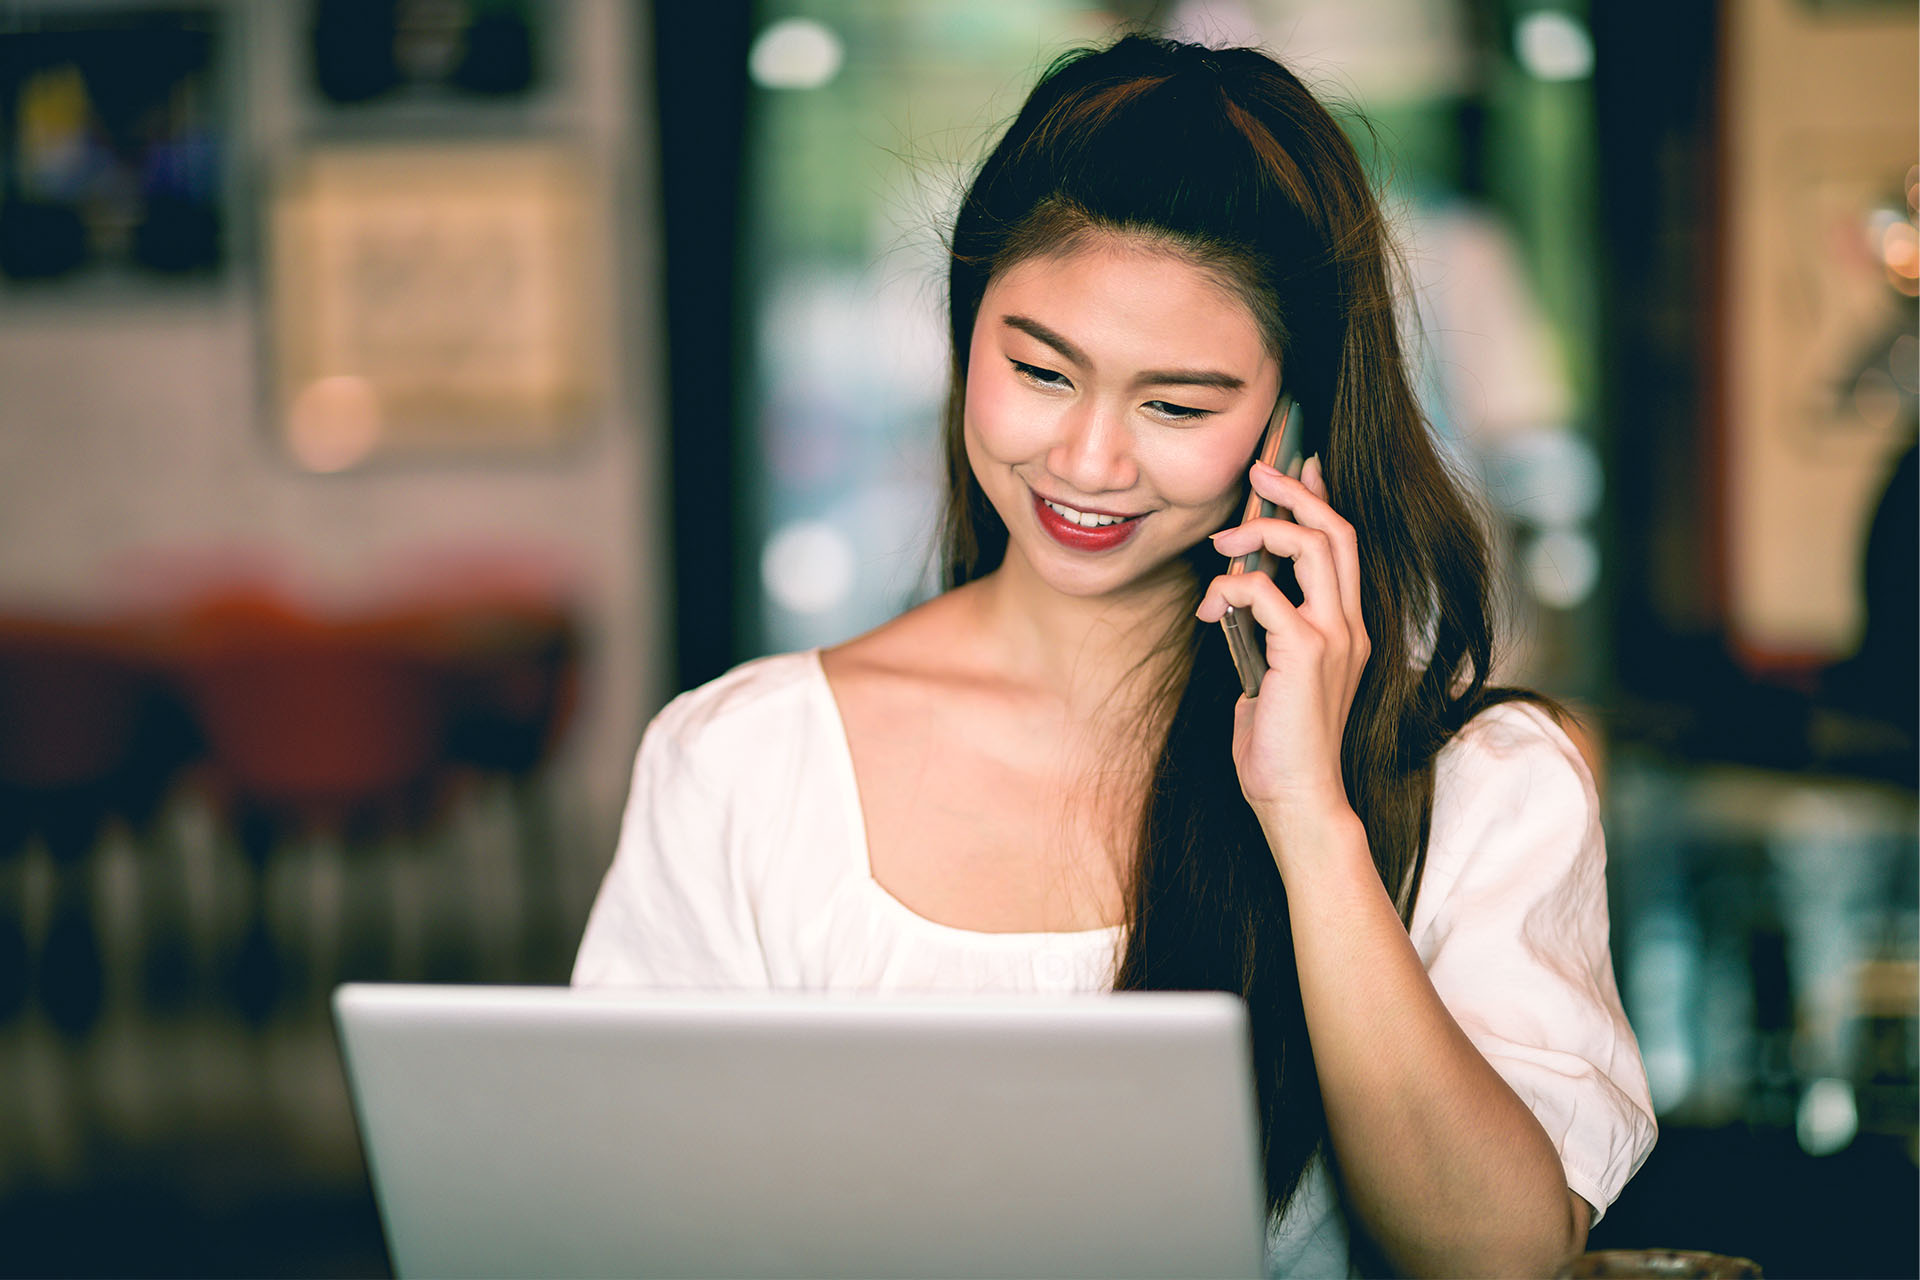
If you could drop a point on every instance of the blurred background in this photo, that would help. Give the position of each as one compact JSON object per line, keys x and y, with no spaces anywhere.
{"x":401,"y":399}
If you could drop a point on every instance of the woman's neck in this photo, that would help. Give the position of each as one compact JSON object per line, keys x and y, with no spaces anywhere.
{"x":1085,"y":649}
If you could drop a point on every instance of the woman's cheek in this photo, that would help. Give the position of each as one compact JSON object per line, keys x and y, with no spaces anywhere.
{"x":1191,"y":475}
{"x":1002,"y":419}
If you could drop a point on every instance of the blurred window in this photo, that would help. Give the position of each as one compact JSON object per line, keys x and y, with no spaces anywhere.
{"x":864,"y":123}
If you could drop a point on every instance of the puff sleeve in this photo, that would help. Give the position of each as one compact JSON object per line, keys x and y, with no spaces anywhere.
{"x":1512,"y":926}
{"x":673,"y":910}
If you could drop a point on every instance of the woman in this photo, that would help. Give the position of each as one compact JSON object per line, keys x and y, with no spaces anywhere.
{"x":1047,"y":778}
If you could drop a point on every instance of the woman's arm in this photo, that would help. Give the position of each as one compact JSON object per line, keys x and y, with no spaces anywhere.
{"x":1445,"y":1167}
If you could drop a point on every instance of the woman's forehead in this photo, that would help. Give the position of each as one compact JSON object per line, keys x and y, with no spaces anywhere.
{"x":1129,"y":299}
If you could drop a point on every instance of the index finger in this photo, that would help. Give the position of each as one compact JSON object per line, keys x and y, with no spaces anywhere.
{"x":1312,"y":510}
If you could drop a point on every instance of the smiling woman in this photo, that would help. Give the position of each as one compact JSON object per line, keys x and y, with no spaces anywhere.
{"x":1070,"y":430}
{"x":1048,"y":778}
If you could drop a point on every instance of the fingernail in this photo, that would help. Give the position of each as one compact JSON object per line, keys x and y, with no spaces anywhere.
{"x":1313,"y":465}
{"x":1258,"y":465}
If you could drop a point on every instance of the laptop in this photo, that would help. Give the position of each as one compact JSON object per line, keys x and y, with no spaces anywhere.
{"x":545,"y":1131}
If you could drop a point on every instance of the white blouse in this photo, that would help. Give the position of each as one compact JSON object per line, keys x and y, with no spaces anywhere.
{"x":743,"y":864}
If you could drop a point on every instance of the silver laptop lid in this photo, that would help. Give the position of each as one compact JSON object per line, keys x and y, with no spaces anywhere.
{"x":548,"y":1131}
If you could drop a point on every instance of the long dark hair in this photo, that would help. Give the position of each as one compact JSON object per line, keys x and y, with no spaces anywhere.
{"x":1223,"y":156}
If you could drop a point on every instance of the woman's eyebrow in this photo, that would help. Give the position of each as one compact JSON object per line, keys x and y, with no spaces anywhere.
{"x":1148,"y":378}
{"x":1033,"y":328}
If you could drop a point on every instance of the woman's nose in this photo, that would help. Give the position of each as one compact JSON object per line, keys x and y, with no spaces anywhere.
{"x":1094,"y":452}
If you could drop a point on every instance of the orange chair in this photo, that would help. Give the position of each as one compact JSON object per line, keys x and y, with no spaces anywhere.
{"x":311,"y":725}
{"x":85,"y":735}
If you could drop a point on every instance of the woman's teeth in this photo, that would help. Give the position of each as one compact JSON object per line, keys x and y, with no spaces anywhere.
{"x":1086,"y":519}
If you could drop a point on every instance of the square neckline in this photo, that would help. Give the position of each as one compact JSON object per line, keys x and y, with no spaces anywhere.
{"x":857,"y":820}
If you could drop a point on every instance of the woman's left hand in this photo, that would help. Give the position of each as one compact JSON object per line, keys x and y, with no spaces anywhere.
{"x":1286,"y":742}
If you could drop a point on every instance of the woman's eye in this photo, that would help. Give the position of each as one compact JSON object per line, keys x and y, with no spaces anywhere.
{"x":1035,"y":374}
{"x":1178,"y":412}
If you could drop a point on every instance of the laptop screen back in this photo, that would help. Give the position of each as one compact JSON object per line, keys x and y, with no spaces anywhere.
{"x":546,"y":1131}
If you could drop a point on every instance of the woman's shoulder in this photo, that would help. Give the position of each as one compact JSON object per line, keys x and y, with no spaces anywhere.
{"x":906,"y":657}
{"x":1515,"y":810}
{"x":1516,"y":738}
{"x":757,"y":702}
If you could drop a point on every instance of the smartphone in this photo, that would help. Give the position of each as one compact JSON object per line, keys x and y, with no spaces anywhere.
{"x":1279,"y":449}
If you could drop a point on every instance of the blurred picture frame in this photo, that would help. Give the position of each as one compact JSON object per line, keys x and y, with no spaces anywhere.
{"x":114,"y":143}
{"x":398,"y":51}
{"x":428,"y":299}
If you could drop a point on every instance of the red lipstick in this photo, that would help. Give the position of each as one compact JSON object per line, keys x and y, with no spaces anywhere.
{"x":1078,"y":537}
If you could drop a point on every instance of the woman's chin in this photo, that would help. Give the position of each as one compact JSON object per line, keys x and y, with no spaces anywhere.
{"x":1108,"y":577}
